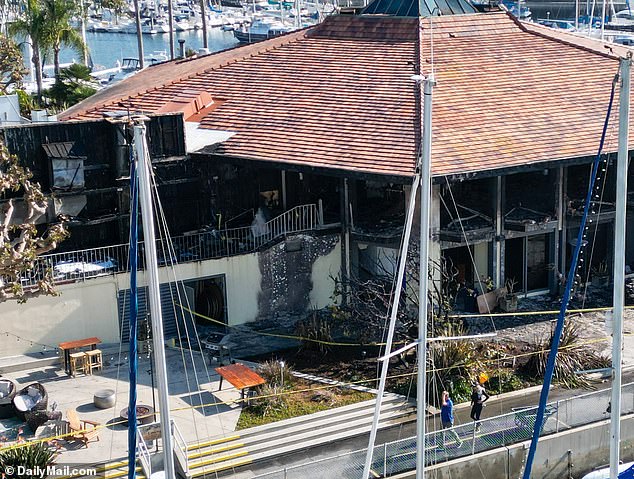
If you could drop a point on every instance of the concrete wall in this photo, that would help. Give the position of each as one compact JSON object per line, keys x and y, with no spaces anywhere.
{"x":89,"y":308}
{"x":81,"y":310}
{"x":571,"y":453}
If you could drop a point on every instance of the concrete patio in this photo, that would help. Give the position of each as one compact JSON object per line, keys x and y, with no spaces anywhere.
{"x":188,"y":386}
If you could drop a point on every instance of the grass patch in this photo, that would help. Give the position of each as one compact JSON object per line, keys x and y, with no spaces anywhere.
{"x":286,"y":404}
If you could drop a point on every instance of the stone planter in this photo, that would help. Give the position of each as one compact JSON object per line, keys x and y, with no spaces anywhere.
{"x":600,"y":280}
{"x":508,"y":303}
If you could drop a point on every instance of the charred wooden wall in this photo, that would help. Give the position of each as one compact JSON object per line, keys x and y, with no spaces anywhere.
{"x":105,"y":148}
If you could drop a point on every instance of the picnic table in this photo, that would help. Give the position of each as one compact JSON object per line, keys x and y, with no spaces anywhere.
{"x":240,"y":377}
{"x":68,"y":346}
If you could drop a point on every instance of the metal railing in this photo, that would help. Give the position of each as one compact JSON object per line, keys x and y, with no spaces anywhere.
{"x":90,"y":263}
{"x":143,"y":455}
{"x":180,"y":449}
{"x":443,"y":445}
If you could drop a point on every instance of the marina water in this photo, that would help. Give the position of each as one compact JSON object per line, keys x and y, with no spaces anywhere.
{"x":108,"y":48}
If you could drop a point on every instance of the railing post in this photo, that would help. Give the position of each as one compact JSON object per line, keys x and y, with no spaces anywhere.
{"x":474,"y":438}
{"x":557,"y":417}
{"x":321,"y":211}
{"x":385,"y":459}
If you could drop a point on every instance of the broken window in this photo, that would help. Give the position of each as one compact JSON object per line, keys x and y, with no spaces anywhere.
{"x":67,"y":169}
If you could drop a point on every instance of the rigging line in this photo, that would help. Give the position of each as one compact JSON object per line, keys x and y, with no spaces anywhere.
{"x":604,"y":172}
{"x":172,"y":270}
{"x":171,"y":254}
{"x":552,"y":356}
{"x":393,"y":314}
{"x":119,"y":362}
{"x":594,"y":239}
{"x":475,"y":267}
{"x":464,"y":234}
{"x":536,"y":313}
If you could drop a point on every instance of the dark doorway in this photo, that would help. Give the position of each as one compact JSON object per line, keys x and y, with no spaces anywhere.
{"x":537,"y":255}
{"x":514,"y":262}
{"x":460,"y":258}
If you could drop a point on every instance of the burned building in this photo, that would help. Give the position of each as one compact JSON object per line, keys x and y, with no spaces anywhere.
{"x":303,"y":148}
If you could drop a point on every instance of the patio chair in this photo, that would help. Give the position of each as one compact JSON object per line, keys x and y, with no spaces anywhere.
{"x":81,"y":430}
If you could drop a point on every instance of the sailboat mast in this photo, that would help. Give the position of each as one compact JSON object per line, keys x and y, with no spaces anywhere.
{"x":619,"y":265}
{"x":139,"y":33}
{"x":147,"y":215}
{"x":423,"y":279}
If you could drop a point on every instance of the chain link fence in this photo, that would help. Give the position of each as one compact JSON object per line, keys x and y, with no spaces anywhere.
{"x":443,"y":445}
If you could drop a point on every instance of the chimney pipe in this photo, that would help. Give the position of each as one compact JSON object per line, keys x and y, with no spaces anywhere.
{"x":181,"y":46}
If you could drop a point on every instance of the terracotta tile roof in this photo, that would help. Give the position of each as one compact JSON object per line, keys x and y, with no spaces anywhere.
{"x":340,"y":95}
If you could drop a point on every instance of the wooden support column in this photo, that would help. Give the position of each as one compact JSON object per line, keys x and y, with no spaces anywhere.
{"x":558,"y":242}
{"x":497,"y":256}
{"x":434,"y":229}
{"x":345,"y":235}
{"x":562,"y":224}
{"x":284,"y":189}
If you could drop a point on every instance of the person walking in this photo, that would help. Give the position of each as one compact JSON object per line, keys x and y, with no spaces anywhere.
{"x":478,"y":397}
{"x":446,"y":417}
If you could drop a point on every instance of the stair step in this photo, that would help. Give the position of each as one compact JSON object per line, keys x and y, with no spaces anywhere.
{"x":340,"y":414}
{"x":118,"y":469}
{"x":122,"y":473}
{"x":215,"y":450}
{"x":221,"y":467}
{"x":215,"y":460}
{"x":265,"y":450}
{"x":257,"y":455}
{"x":212,"y":442}
{"x":336,"y":421}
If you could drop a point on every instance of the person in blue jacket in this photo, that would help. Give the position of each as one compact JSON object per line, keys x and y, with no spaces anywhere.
{"x":446,"y":417}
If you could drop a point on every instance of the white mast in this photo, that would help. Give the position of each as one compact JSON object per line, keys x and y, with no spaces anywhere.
{"x":423,"y":280}
{"x":158,"y":342}
{"x":603,"y":21}
{"x":619,"y":265}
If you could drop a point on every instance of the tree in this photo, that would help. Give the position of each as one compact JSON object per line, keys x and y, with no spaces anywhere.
{"x":58,"y":30}
{"x":115,"y":6}
{"x":12,"y":68}
{"x":72,"y":85}
{"x":20,"y":241}
{"x":32,"y":24}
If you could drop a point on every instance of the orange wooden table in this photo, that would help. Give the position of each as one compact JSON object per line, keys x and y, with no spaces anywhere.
{"x":68,"y":346}
{"x":240,"y":377}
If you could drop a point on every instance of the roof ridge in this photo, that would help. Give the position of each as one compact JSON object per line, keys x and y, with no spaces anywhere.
{"x":556,"y":36}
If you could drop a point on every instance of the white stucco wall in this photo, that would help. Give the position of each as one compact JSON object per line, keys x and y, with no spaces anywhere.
{"x":324,"y":270}
{"x":86,"y":309}
{"x":82,"y":310}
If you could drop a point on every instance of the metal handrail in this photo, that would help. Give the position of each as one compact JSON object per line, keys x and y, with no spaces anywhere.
{"x":180,"y":446}
{"x":84,"y":264}
{"x":143,"y":454}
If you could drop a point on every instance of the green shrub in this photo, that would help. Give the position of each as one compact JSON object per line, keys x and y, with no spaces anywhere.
{"x":33,"y":456}
{"x":277,"y":373}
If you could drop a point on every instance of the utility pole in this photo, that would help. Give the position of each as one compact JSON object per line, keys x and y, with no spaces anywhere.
{"x":139,"y":33}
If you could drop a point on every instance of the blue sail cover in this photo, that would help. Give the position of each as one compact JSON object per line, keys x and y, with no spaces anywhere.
{"x":627,"y":473}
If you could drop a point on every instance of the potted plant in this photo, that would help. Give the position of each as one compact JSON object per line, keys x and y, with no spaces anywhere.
{"x":600,"y":275}
{"x":508,"y":302}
